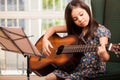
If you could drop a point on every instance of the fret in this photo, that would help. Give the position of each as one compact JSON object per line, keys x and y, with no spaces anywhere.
{"x":79,"y":48}
{"x":86,"y":48}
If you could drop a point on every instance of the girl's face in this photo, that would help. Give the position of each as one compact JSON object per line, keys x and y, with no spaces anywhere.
{"x":80,"y":16}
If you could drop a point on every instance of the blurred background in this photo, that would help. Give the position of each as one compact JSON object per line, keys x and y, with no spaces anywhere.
{"x":35,"y":17}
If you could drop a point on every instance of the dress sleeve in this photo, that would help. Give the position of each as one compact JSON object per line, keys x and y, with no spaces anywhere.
{"x":102,"y":31}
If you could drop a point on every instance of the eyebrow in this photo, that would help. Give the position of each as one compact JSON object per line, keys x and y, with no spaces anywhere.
{"x":78,"y":14}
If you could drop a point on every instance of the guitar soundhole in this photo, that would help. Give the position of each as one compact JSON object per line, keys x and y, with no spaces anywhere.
{"x":60,"y":49}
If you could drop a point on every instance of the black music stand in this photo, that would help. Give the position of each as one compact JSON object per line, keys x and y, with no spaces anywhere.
{"x":14,"y":39}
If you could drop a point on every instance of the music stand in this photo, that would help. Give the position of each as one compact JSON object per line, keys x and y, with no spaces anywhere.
{"x":14,"y":39}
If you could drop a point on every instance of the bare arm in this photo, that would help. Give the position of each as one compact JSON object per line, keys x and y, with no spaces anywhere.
{"x":53,"y":30}
{"x":48,"y":34}
{"x":102,"y":52}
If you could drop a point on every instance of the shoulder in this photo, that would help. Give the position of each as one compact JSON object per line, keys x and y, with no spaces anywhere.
{"x":102,"y":28}
{"x":102,"y":31}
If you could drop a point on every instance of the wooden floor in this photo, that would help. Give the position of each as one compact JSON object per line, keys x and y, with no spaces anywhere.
{"x":20,"y":78}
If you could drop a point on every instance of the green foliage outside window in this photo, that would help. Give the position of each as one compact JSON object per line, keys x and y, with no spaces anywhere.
{"x":49,"y":4}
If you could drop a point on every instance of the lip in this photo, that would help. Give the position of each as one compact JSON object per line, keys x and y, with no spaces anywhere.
{"x":83,"y":22}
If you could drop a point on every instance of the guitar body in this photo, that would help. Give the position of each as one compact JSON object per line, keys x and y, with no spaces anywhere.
{"x":65,"y":54}
{"x":44,"y":65}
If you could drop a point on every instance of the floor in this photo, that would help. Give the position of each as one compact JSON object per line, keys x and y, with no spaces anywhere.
{"x":20,"y":78}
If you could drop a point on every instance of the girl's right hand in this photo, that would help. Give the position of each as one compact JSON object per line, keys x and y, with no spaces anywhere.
{"x":46,"y":47}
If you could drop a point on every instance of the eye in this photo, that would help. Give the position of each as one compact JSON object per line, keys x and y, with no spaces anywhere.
{"x":81,"y":13}
{"x":75,"y":19}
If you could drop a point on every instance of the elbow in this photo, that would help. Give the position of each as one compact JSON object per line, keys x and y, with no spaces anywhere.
{"x":106,"y":58}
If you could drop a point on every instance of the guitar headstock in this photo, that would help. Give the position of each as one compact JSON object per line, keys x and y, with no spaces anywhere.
{"x":114,"y":48}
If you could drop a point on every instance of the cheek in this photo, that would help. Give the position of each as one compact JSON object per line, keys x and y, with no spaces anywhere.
{"x":77,"y":23}
{"x":88,"y":18}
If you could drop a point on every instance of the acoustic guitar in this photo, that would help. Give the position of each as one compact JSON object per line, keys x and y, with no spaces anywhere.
{"x":65,"y":54}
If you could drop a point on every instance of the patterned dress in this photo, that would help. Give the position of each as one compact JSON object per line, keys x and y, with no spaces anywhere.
{"x":90,"y":64}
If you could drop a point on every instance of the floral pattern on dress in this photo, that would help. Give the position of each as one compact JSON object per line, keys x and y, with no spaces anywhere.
{"x":90,"y":64}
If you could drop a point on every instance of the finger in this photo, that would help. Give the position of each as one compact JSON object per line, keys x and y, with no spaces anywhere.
{"x":51,"y":46}
{"x":98,"y":51}
{"x":46,"y":52}
{"x":48,"y":48}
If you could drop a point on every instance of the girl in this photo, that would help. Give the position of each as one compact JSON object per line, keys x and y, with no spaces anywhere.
{"x":79,"y":22}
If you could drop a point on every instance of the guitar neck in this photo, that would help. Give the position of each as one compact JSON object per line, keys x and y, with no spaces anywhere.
{"x":76,"y":48}
{"x":79,"y":48}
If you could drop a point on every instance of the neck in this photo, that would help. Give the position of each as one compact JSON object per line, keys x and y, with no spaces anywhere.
{"x":84,"y":30}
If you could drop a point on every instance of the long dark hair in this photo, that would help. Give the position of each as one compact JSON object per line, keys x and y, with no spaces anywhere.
{"x":72,"y":28}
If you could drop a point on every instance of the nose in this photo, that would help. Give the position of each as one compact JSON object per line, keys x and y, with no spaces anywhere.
{"x":80,"y":18}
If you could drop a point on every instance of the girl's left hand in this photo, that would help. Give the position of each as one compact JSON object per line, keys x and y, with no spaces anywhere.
{"x":102,"y":52}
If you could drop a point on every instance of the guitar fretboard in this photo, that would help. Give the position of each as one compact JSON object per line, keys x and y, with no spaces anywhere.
{"x":79,"y":48}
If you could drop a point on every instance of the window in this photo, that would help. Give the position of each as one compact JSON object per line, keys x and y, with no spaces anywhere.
{"x":34,"y":16}
{"x":2,"y":3}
